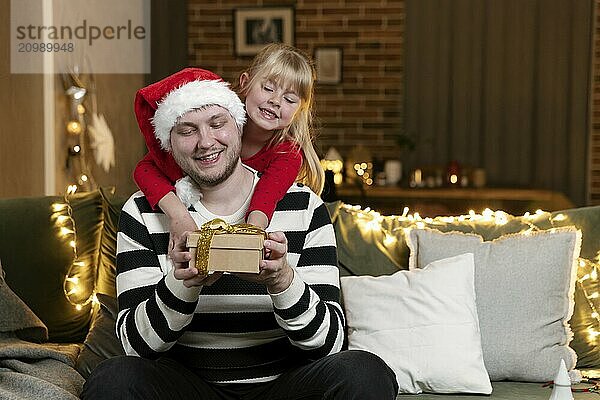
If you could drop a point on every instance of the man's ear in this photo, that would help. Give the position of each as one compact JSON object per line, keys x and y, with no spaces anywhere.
{"x":244,"y":80}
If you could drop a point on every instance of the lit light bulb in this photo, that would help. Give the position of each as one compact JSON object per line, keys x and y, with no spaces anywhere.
{"x":65,"y":231}
{"x":73,"y":279}
{"x":78,"y":307}
{"x":389,"y":240}
{"x":74,"y":127}
{"x":56,"y":207}
{"x":559,"y":217}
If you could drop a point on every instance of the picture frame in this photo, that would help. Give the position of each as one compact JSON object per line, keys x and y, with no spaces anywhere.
{"x":255,"y":27}
{"x":328,"y":63}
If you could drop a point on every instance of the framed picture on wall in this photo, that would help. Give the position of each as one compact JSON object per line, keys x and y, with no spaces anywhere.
{"x":258,"y":26}
{"x":328,"y":62}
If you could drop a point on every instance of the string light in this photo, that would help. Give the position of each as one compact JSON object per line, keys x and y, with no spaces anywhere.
{"x":370,"y":221}
{"x":334,"y":166}
{"x":67,"y":230}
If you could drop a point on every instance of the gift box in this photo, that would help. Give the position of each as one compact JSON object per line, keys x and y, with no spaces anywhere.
{"x":218,"y":246}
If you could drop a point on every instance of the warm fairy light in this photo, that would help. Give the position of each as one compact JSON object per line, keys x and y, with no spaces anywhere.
{"x":363,"y":170}
{"x":453,"y":179}
{"x":74,"y":280}
{"x":335,"y":166}
{"x":63,"y":216}
{"x":372,"y":222}
{"x":58,"y":207}
{"x":65,"y":231}
{"x":74,"y":127}
{"x":559,"y":217}
{"x":71,"y":189}
{"x":389,"y":240}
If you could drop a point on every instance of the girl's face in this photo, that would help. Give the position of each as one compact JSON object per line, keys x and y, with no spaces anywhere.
{"x":269,"y":105}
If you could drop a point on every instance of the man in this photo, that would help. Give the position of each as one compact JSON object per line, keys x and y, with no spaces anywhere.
{"x":272,"y":335}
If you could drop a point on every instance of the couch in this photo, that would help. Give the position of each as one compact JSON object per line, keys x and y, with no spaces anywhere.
{"x":58,"y":257}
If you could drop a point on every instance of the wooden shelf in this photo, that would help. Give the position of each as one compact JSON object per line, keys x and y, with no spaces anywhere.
{"x":445,"y":201}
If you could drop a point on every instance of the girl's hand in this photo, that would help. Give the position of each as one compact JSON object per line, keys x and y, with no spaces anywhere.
{"x":180,"y":219}
{"x":258,"y":218}
{"x":275,"y":272}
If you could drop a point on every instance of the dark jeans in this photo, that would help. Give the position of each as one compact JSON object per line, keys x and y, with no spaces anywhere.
{"x":347,"y":375}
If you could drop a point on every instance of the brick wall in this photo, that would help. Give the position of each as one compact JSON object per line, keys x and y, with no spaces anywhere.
{"x":366,"y":107}
{"x":594,"y":151}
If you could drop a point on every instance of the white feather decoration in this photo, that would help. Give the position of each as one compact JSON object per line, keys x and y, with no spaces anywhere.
{"x":102,"y":142}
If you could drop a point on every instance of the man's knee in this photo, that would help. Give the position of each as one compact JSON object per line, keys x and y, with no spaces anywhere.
{"x":114,"y":377}
{"x":362,"y":369}
{"x":360,"y":364}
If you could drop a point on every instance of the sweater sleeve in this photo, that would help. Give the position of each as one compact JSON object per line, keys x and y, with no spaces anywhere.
{"x":154,"y":307}
{"x":151,"y":180}
{"x":279,"y":166}
{"x":309,"y":310}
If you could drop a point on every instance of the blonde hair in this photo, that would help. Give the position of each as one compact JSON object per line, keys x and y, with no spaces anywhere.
{"x":288,"y":66}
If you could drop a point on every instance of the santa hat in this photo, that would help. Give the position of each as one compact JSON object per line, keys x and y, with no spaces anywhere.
{"x":159,"y":105}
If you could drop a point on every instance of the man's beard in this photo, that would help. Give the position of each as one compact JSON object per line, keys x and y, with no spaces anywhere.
{"x":207,"y":179}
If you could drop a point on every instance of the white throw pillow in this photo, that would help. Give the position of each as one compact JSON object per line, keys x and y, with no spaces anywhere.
{"x":423,"y":324}
{"x":524,"y":286}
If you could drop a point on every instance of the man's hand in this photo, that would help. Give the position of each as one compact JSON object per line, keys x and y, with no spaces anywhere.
{"x":275,"y":272}
{"x":180,"y":255}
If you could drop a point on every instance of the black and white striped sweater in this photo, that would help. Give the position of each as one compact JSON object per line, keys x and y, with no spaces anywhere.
{"x":232,"y":331}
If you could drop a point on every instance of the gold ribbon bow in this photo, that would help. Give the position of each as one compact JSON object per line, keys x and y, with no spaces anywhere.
{"x":218,"y":227}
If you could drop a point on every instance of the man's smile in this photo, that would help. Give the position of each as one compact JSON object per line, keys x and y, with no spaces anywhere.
{"x":208,"y":158}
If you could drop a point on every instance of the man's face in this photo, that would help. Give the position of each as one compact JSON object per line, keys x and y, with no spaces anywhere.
{"x":206,"y":144}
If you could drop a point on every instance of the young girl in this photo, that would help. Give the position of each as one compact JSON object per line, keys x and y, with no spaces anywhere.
{"x":277,"y":90}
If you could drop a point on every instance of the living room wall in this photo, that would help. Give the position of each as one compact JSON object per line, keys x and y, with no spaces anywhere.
{"x":368,"y":105}
{"x":593,"y":182}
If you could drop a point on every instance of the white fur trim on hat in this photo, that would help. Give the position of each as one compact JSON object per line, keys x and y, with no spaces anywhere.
{"x":187,"y":191}
{"x":194,"y":94}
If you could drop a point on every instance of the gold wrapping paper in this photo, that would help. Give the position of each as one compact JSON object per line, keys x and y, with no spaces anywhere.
{"x":216,"y":227}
